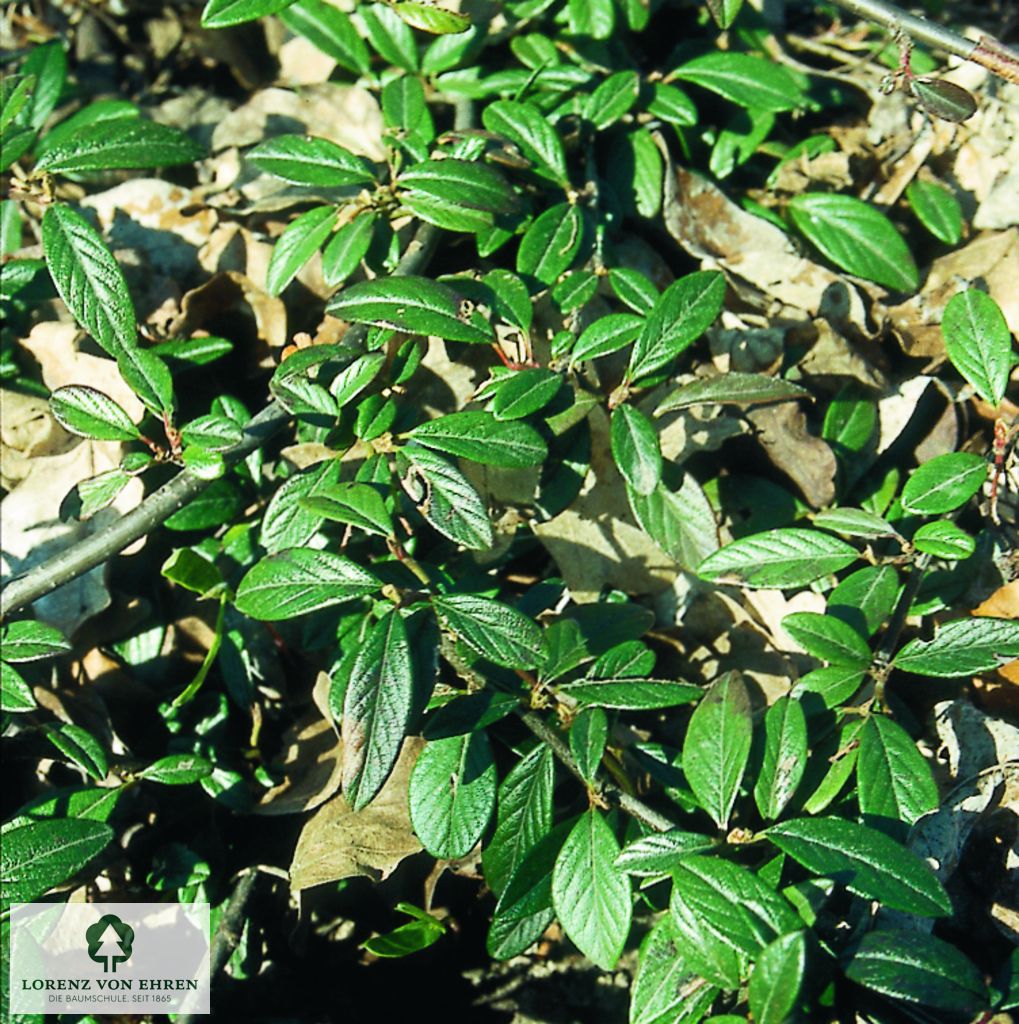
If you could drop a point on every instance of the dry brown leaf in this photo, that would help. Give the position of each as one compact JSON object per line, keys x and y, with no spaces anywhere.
{"x":27,"y":431}
{"x":340,"y":843}
{"x":310,"y":767}
{"x":807,"y":460}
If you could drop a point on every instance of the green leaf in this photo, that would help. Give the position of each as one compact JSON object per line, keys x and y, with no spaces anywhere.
{"x":854,"y":522}
{"x":408,"y":938}
{"x":944,"y":483}
{"x":414,"y":305}
{"x":462,"y":183}
{"x":589,"y":733}
{"x":866,"y":861}
{"x":724,"y":12}
{"x":680,"y":522}
{"x":551,"y":243}
{"x":390,"y":36}
{"x":219,"y":503}
{"x":828,"y":638}
{"x":298,"y":243}
{"x":717,"y":746}
{"x":591,"y":896}
{"x":524,"y":124}
{"x":148,"y":377}
{"x":89,"y":413}
{"x":525,"y":392}
{"x":494,"y":630}
{"x":978,"y":342}
{"x":47,"y":65}
{"x":524,"y":817}
{"x":309,"y":160}
{"x":612,"y":99}
{"x":779,"y":558}
{"x":213,"y":432}
{"x":856,"y":237}
{"x":15,"y":694}
{"x":444,"y":496}
{"x":510,"y":297}
{"x":635,"y":449}
{"x":356,"y":504}
{"x":607,"y":334}
{"x":177,"y":770}
{"x":937,"y":209}
{"x":732,"y":389}
{"x":711,"y":957}
{"x":93,"y":113}
{"x":376,"y":709}
{"x":751,"y":82}
{"x":918,"y":968}
{"x":865,"y":598}
{"x":524,"y":909}
{"x":944,"y":539}
{"x":632,"y":694}
{"x":777,"y":979}
{"x":88,"y":279}
{"x":962,"y":647}
{"x":658,"y":854}
{"x":479,"y":436}
{"x":331,"y":30}
{"x":452,"y":794}
{"x":286,"y":523}
{"x":633,"y":289}
{"x":353,"y":379}
{"x":345,"y":250}
{"x":594,"y":18}
{"x":120,"y":144}
{"x":637,"y":173}
{"x":30,"y":641}
{"x":683,"y":312}
{"x":36,"y":857}
{"x":80,"y":747}
{"x":190,"y":570}
{"x":224,"y":13}
{"x":943,"y":99}
{"x":665,"y":989}
{"x":785,"y":757}
{"x":405,"y":111}
{"x":15,"y":92}
{"x":575,"y":290}
{"x":894,"y":780}
{"x":429,"y":18}
{"x":300,"y":580}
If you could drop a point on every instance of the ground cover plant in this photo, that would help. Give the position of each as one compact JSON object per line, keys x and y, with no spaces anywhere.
{"x":520,"y":496}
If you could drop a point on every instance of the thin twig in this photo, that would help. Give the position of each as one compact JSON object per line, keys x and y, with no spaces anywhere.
{"x":987,"y":52}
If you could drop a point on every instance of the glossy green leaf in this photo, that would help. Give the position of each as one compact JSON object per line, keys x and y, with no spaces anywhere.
{"x":188,"y":569}
{"x":525,"y":393}
{"x":918,"y":968}
{"x":526,"y":126}
{"x":81,"y":748}
{"x":148,"y":377}
{"x":632,"y":694}
{"x":589,"y":733}
{"x":854,"y":522}
{"x":714,"y":959}
{"x":724,"y":12}
{"x":777,"y":979}
{"x":978,"y":343}
{"x":445,"y":497}
{"x":36,"y":857}
{"x":223,"y":13}
{"x":937,"y":209}
{"x":299,"y":580}
{"x":612,"y":99}
{"x":732,"y":389}
{"x":594,"y":18}
{"x":331,"y":30}
{"x":865,"y":598}
{"x":494,"y":630}
{"x":376,"y":708}
{"x":429,"y":18}
{"x":390,"y":36}
{"x":524,"y":816}
{"x":866,"y":861}
{"x":591,"y":896}
{"x":856,"y":237}
{"x":29,"y":641}
{"x":894,"y":780}
{"x":658,"y":854}
{"x":665,"y":989}
{"x":751,"y":82}
{"x":308,"y":160}
{"x":452,"y":794}
{"x":683,"y":312}
{"x":635,"y":448}
{"x":345,"y":250}
{"x":633,"y":289}
{"x":286,"y":523}
{"x":944,"y":483}
{"x":717,"y":746}
{"x":415,"y":935}
{"x":479,"y":436}
{"x":779,"y":558}
{"x":551,"y":243}
{"x":785,"y":757}
{"x":828,"y":638}
{"x":15,"y":694}
{"x":944,"y":99}
{"x":88,"y":279}
{"x":299,"y":242}
{"x":962,"y":647}
{"x":47,"y":65}
{"x":461,"y":182}
{"x":355,"y":504}
{"x":415,"y":305}
{"x":177,"y":770}
{"x":605,"y":335}
{"x":213,"y":431}
{"x":944,"y":539}
{"x":120,"y":144}
{"x":681,"y":522}
{"x":89,"y":413}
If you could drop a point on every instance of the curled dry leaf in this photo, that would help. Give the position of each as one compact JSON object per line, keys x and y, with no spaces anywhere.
{"x":310,"y":767}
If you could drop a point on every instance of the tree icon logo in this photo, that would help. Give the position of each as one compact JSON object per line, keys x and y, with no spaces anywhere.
{"x":109,"y":942}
